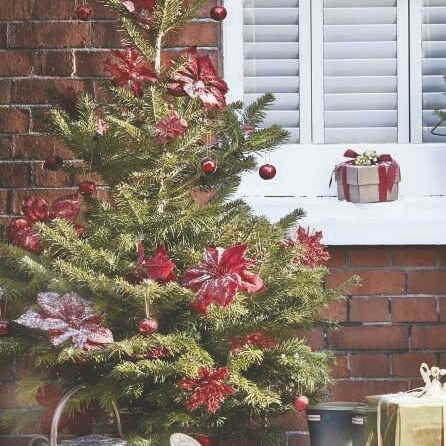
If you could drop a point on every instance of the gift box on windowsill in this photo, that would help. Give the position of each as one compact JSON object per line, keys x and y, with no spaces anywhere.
{"x":415,"y":418}
{"x":366,"y":178}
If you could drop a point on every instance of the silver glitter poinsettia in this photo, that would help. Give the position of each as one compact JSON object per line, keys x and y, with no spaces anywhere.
{"x":67,"y":317}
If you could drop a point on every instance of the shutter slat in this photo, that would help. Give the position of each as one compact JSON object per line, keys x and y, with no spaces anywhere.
{"x":360,"y":71}
{"x":271,"y":59}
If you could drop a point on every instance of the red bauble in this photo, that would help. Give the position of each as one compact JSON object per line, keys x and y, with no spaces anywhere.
{"x":148,"y":326}
{"x":267,"y":171}
{"x":4,"y":328}
{"x":84,"y":12}
{"x":219,"y":13}
{"x":87,"y":188}
{"x":301,"y":403}
{"x":204,"y":440}
{"x":208,"y":165}
{"x":53,"y":162}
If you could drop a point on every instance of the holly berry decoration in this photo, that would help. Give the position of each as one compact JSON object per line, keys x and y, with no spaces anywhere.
{"x":87,"y":188}
{"x":301,"y":403}
{"x":219,"y":13}
{"x":4,"y":328}
{"x":204,"y":440}
{"x":208,"y":165}
{"x":267,"y":171}
{"x":53,"y":162}
{"x":148,"y":326}
{"x":84,"y":12}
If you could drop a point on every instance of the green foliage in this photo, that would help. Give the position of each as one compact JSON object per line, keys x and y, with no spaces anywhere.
{"x":150,"y":202}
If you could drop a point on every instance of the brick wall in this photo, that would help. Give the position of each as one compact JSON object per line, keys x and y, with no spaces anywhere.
{"x":389,"y":325}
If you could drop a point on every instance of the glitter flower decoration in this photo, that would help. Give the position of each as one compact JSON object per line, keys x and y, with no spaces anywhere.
{"x":198,"y":78}
{"x":67,"y":318}
{"x":158,"y":267}
{"x":35,"y":209}
{"x":258,"y":339}
{"x":220,"y":275}
{"x":129,"y":69}
{"x":208,"y":389}
{"x":170,"y":127}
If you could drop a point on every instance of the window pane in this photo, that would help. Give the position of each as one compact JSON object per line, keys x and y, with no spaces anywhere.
{"x":271,"y":58}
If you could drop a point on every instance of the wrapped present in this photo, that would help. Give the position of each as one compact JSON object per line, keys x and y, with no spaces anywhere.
{"x":367,"y":177}
{"x":414,"y":418}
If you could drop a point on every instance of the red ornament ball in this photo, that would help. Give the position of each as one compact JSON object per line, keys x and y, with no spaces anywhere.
{"x":267,"y":171}
{"x":301,"y":403}
{"x":84,"y":12}
{"x":219,"y":13}
{"x":204,"y":440}
{"x":148,"y":326}
{"x":53,"y":162}
{"x":208,"y":165}
{"x":4,"y":328}
{"x":87,"y":188}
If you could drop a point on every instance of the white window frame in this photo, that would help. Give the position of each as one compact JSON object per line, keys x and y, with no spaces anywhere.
{"x":418,"y":217}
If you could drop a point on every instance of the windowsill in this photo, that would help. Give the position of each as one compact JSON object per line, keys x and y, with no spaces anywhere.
{"x":408,"y":221}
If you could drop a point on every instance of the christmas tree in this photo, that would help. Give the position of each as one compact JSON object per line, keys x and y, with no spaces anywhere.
{"x":167,"y":296}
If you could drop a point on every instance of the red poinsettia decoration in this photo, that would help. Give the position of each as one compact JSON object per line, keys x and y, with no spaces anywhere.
{"x":20,"y":233}
{"x":315,"y":254}
{"x":139,"y":6}
{"x":219,"y":276}
{"x":67,"y":318}
{"x":158,"y":267}
{"x":208,"y":389}
{"x":258,"y":339}
{"x":129,"y":69}
{"x":35,"y":209}
{"x":198,"y":78}
{"x":170,"y":127}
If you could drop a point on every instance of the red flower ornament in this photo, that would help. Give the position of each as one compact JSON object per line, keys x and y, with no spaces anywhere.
{"x":67,"y":318}
{"x":139,"y":6}
{"x":199,"y":79}
{"x":315,"y":254}
{"x":35,"y":209}
{"x":129,"y":69}
{"x":258,"y":339}
{"x":169,"y":128}
{"x":218,"y":277}
{"x":158,"y":267}
{"x":208,"y":389}
{"x":65,"y":208}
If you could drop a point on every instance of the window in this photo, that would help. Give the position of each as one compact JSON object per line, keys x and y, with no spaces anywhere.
{"x":367,"y":73}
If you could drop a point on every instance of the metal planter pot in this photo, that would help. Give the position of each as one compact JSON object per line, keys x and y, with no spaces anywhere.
{"x":330,"y":424}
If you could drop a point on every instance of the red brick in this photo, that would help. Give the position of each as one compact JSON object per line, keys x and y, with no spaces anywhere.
{"x":6,"y":146}
{"x":38,"y":91}
{"x":442,"y":255}
{"x":48,"y":178}
{"x":53,"y":63}
{"x":5,"y":91}
{"x":172,"y":54}
{"x":90,"y":63}
{"x":429,"y":337}
{"x":4,"y":202}
{"x":426,"y":282}
{"x":6,"y":371}
{"x":8,"y":396}
{"x":15,"y":63}
{"x":414,"y":309}
{"x":442,"y":307}
{"x":340,"y":369}
{"x":337,"y":257}
{"x":291,"y":421}
{"x":105,"y":35}
{"x":314,"y":337}
{"x":39,"y":147}
{"x":15,"y":10}
{"x":205,"y":10}
{"x":368,"y":338}
{"x":14,"y":120}
{"x":368,"y":309}
{"x":40,"y":117}
{"x":414,"y":255}
{"x":14,"y":175}
{"x":369,"y":366}
{"x":51,"y":10}
{"x":351,"y":390}
{"x":100,"y":11}
{"x":49,"y":35}
{"x":369,"y":256}
{"x":372,"y":282}
{"x":336,"y":310}
{"x":199,"y":34}
{"x":408,"y":364}
{"x":3,"y":34}
{"x":298,"y":439}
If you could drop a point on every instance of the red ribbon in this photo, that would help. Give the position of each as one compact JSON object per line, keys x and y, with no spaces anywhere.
{"x":388,"y":170}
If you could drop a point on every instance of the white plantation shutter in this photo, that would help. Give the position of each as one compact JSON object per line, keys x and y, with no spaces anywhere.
{"x":360,"y":70}
{"x":271,"y":58}
{"x":433,"y":66}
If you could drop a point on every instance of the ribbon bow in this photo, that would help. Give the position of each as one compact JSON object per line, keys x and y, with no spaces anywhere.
{"x":431,"y":378}
{"x":388,"y":170}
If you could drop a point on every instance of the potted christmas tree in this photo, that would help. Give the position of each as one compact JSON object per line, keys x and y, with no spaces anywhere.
{"x":158,"y":293}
